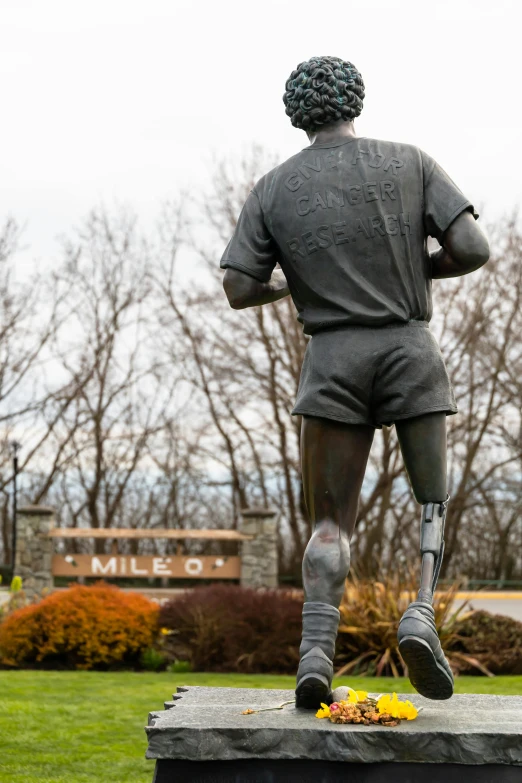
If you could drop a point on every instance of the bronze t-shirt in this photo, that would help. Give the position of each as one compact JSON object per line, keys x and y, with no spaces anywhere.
{"x":348,"y":222}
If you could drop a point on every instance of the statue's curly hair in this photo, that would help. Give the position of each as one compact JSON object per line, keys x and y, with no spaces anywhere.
{"x":323,"y":90}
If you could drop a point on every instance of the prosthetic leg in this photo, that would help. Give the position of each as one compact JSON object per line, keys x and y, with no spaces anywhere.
{"x":419,"y":644}
{"x":431,"y":547}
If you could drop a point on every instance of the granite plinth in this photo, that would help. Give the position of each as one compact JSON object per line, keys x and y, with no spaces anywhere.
{"x":478,"y":734}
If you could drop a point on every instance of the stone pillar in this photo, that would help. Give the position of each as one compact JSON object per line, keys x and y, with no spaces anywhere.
{"x":34,"y":550}
{"x":259,"y":562}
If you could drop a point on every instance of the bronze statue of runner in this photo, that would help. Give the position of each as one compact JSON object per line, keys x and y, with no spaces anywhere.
{"x":347,"y":219}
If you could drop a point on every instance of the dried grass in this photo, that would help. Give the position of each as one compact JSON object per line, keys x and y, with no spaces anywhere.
{"x":370,"y":615}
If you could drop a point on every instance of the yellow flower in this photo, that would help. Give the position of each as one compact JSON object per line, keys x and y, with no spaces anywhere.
{"x":16,"y":584}
{"x":396,"y":708}
{"x":391,"y":706}
{"x":354,"y":697}
{"x":408,"y":711}
{"x":324,"y":712}
{"x":165,"y":631}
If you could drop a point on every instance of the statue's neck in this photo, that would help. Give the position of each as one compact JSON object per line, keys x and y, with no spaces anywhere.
{"x":332,"y":132}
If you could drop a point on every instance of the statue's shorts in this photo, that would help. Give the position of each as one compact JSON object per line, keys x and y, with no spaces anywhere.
{"x":374,"y":375}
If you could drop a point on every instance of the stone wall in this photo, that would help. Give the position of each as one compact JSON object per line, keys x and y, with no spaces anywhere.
{"x":259,"y":558}
{"x":34,"y":550}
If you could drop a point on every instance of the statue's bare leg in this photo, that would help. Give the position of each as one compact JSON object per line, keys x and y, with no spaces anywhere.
{"x":333,"y":459}
{"x":423,"y":445}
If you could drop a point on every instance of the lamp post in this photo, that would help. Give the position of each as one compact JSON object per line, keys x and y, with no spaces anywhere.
{"x":15,"y":448}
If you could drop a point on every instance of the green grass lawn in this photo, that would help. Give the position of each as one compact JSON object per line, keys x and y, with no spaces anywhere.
{"x":87,"y":727}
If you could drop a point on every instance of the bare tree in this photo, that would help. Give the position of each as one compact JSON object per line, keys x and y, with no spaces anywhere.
{"x":105,"y":357}
{"x":28,"y":320}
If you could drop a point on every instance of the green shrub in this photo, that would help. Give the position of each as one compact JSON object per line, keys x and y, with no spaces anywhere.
{"x":179,"y":667}
{"x":152,"y":660}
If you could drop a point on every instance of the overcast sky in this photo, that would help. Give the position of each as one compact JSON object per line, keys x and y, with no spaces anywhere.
{"x":124,"y":101}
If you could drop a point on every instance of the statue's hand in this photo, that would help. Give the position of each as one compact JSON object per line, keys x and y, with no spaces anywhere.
{"x":465,"y":249}
{"x":278,"y":282}
{"x":245,"y":291}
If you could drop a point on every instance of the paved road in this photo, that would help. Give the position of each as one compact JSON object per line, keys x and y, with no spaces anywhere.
{"x":498,"y":602}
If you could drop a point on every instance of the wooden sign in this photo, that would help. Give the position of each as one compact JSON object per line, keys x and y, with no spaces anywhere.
{"x":175,"y":566}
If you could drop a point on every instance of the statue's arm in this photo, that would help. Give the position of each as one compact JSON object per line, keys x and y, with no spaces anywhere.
{"x":245,"y":291}
{"x":464,"y":249}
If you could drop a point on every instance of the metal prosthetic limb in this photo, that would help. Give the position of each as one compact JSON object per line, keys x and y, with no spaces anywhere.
{"x":431,"y":547}
{"x":419,"y":644}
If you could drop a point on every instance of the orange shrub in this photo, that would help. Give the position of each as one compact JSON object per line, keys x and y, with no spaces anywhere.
{"x":82,"y":627}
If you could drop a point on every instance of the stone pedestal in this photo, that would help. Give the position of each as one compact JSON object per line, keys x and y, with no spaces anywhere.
{"x":202,"y":736}
{"x":34,"y":550}
{"x":259,"y":558}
